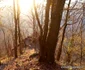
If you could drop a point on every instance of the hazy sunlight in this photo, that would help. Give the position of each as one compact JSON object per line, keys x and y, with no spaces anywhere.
{"x":26,"y":5}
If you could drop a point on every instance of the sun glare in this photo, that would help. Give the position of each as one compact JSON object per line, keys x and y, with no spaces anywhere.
{"x":26,"y":5}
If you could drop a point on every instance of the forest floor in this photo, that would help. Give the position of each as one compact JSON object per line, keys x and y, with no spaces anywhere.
{"x":28,"y":61}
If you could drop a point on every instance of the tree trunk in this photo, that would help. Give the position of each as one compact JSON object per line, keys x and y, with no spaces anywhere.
{"x":47,"y":53}
{"x":19,"y":30}
{"x":63,"y":34}
{"x":46,"y":19}
{"x":15,"y":20}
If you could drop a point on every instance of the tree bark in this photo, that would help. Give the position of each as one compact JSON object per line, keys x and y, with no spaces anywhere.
{"x":47,"y":55}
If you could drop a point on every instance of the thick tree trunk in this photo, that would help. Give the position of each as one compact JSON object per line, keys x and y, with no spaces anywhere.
{"x":48,"y":52}
{"x":43,"y":37}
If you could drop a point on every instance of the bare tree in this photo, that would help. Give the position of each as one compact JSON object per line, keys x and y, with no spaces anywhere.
{"x":16,"y":29}
{"x":48,"y":46}
{"x":63,"y":34}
